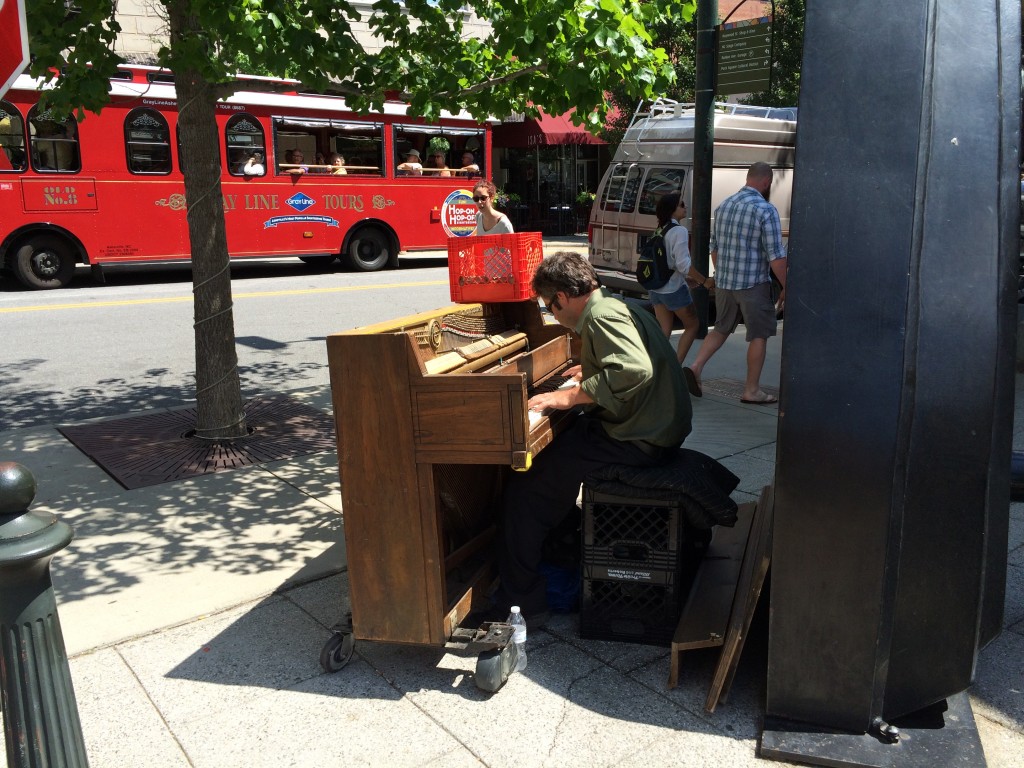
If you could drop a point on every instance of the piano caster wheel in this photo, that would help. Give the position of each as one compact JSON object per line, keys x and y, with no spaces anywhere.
{"x":337,"y":651}
{"x":493,"y":667}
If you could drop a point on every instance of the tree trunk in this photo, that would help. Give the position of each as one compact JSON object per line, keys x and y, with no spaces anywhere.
{"x":218,"y":391}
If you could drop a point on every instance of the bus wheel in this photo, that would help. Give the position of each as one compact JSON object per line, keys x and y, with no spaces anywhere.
{"x":44,"y":261}
{"x":369,"y":249}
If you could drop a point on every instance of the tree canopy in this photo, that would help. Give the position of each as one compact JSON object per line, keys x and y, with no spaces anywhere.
{"x":555,"y":54}
{"x":678,"y":37}
{"x":550,"y":54}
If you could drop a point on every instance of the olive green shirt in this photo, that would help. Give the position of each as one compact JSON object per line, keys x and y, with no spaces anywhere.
{"x":631,"y":373}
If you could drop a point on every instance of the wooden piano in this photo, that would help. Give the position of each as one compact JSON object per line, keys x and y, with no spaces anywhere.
{"x":431,"y":412}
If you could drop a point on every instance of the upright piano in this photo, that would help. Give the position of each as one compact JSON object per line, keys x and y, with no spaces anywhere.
{"x":431,"y":413}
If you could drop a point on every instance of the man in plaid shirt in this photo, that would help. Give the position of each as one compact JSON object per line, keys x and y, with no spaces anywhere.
{"x":746,"y":248}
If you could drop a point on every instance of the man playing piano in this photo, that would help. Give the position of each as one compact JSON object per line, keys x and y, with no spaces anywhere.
{"x":636,"y":411}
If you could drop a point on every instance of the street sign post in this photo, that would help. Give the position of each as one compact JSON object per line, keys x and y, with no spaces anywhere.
{"x":13,"y":42}
{"x":744,"y":56}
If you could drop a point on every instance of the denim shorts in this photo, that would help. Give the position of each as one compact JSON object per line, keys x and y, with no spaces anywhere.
{"x":675,"y":300}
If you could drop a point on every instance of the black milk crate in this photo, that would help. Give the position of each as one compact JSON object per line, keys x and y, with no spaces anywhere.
{"x":639,"y":559}
{"x":631,"y":611}
{"x":631,"y":539}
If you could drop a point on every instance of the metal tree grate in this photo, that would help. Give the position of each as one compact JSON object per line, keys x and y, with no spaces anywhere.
{"x":140,"y":451}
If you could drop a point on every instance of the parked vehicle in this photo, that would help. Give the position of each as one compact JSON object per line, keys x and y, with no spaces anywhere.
{"x":656,"y":158}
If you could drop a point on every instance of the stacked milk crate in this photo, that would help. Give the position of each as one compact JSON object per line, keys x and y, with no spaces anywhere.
{"x":639,"y":558}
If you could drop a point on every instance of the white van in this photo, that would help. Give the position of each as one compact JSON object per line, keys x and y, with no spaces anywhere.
{"x":656,"y":158}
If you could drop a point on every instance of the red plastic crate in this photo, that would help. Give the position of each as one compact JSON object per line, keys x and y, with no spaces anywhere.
{"x":493,"y":268}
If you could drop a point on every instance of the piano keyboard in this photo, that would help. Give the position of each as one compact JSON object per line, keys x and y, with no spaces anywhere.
{"x":551,"y":384}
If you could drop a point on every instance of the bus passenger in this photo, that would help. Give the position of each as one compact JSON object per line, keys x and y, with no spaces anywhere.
{"x":295,"y":163}
{"x":12,"y":157}
{"x":469,"y":166}
{"x":254,"y":165}
{"x":439,"y":162}
{"x":337,"y":165}
{"x":488,"y":220}
{"x":411,"y":166}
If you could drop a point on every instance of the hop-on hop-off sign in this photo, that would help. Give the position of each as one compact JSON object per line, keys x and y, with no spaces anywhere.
{"x":744,"y":56}
{"x":13,"y":42}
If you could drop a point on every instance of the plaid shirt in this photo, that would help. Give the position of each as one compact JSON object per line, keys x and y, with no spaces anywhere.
{"x":747,"y":235}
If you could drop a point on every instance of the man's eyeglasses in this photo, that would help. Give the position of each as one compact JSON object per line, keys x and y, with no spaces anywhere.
{"x":552,"y":303}
{"x":480,"y":198}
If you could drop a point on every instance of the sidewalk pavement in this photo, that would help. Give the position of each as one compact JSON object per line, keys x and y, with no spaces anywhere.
{"x":194,"y":614}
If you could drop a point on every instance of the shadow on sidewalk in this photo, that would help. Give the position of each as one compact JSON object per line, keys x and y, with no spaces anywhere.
{"x":582,"y":682}
{"x":152,"y":389}
{"x":197,"y":534}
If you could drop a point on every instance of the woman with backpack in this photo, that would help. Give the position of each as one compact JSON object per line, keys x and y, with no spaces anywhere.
{"x":673,"y":299}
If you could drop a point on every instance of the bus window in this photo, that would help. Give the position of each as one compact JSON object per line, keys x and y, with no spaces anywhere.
{"x":297,"y":136}
{"x":147,"y":145}
{"x":621,"y":188}
{"x":465,"y":150}
{"x":54,"y":143}
{"x":360,"y":144}
{"x":660,"y":182}
{"x":12,"y":139}
{"x":244,"y":138}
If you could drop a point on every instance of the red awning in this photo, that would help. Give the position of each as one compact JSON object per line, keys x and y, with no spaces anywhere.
{"x":544,"y":130}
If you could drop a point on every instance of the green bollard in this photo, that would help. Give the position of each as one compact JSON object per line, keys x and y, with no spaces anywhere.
{"x":41,"y":726}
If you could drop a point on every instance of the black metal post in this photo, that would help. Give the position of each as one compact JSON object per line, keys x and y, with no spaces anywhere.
{"x":895,"y":421}
{"x":703,"y":147}
{"x":41,"y":726}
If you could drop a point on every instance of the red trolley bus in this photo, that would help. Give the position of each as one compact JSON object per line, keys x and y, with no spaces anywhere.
{"x":301,"y":175}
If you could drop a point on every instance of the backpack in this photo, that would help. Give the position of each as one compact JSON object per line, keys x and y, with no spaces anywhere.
{"x":652,"y":270}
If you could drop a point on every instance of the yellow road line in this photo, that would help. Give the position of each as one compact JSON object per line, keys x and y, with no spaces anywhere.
{"x":236,"y":296}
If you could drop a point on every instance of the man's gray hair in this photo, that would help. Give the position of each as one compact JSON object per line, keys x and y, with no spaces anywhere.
{"x":564,"y":271}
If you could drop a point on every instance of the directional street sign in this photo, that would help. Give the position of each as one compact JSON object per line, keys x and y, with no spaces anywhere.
{"x":744,"y":56}
{"x":13,"y":42}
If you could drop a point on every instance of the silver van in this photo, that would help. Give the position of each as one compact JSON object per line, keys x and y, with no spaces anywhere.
{"x":656,"y":158}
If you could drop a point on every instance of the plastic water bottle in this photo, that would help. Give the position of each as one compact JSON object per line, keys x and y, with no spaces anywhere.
{"x":518,"y":636}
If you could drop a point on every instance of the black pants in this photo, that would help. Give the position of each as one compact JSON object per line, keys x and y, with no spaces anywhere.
{"x":539,"y":499}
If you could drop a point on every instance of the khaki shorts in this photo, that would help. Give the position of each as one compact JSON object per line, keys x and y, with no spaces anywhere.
{"x":756,"y":307}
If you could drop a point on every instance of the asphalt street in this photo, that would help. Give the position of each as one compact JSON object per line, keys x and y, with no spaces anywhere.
{"x":99,"y":350}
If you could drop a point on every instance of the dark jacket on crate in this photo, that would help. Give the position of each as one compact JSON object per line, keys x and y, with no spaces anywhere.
{"x":700,"y":484}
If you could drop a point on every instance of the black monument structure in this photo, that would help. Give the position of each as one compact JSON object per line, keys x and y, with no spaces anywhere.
{"x":895,"y":420}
